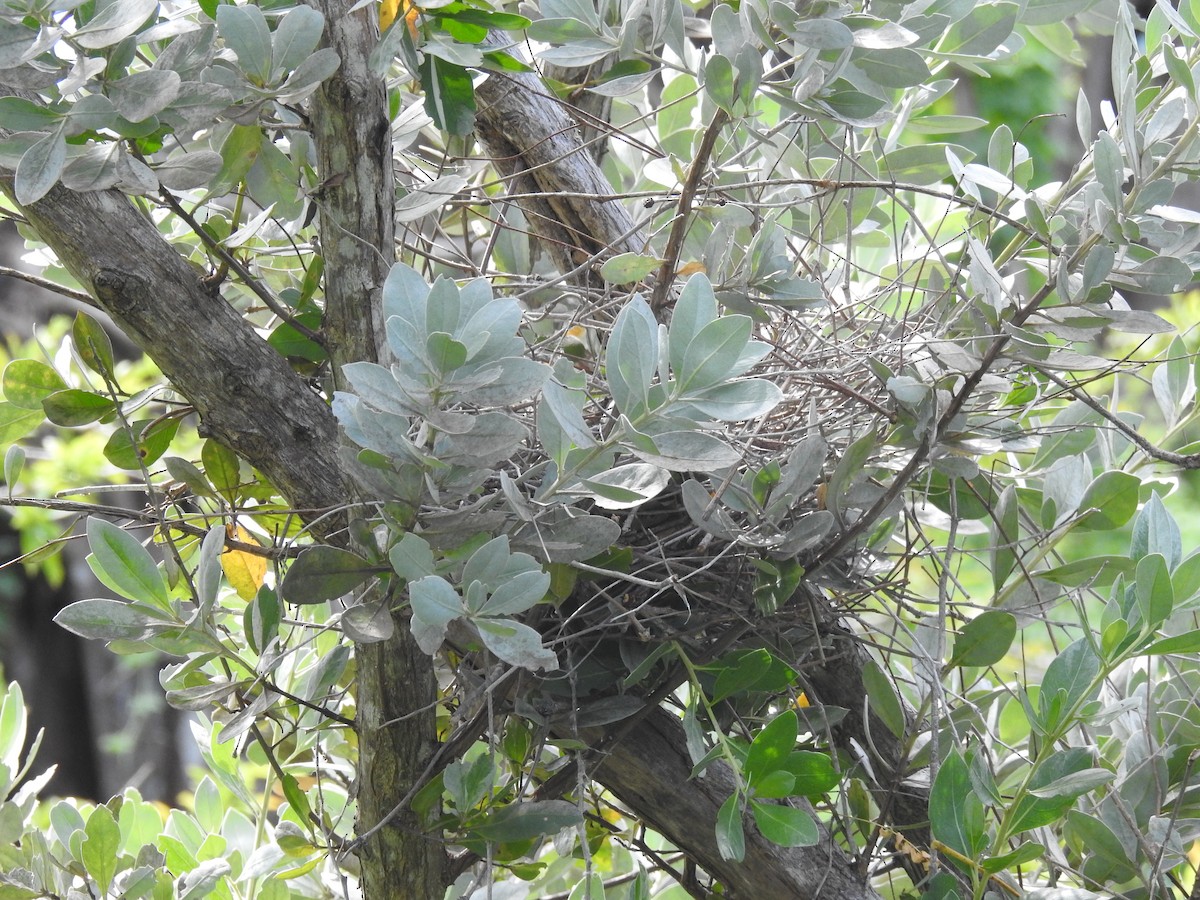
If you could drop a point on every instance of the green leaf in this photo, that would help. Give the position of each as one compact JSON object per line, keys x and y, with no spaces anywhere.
{"x":150,"y":441}
{"x":1188,"y":642}
{"x":1173,"y":384}
{"x":564,"y":406}
{"x":774,"y":786}
{"x":771,"y":746}
{"x":19,"y":114}
{"x":93,"y":345}
{"x":129,"y":566}
{"x":435,"y":604}
{"x":311,"y":72}
{"x":188,"y":171}
{"x":183,"y":471}
{"x":1026,"y":853}
{"x":956,"y":814}
{"x":71,"y":408}
{"x":688,"y":451}
{"x":883,"y":700}
{"x":736,"y":400}
{"x":100,"y":847}
{"x":695,"y":308}
{"x":1110,"y":501}
{"x":295,"y":38}
{"x":1031,"y":811}
{"x":895,"y":68}
{"x":982,"y":30}
{"x":40,"y":168}
{"x":324,"y":573}
{"x":1155,"y":595}
{"x":785,"y":825}
{"x":27,"y":382}
{"x":985,"y":639}
{"x":521,"y":821}
{"x":14,"y":463}
{"x":296,"y":797}
{"x":1100,"y":571}
{"x":16,"y":422}
{"x":632,"y":356}
{"x":713,"y":353}
{"x":1104,"y":847}
{"x":499,"y":61}
{"x":290,"y":343}
{"x":628,"y":268}
{"x":740,"y":672}
{"x":492,"y":561}
{"x":812,"y":772}
{"x":1006,"y":532}
{"x":489,"y":19}
{"x":628,"y":485}
{"x":849,"y":471}
{"x":731,"y":838}
{"x":110,"y":620}
{"x":13,"y":729}
{"x":449,"y":95}
{"x":239,"y":152}
{"x":516,"y":643}
{"x":115,"y":22}
{"x":445,"y":353}
{"x":412,"y":558}
{"x":469,"y":782}
{"x":428,"y":198}
{"x":143,"y":94}
{"x":1070,"y":677}
{"x":221,"y":467}
{"x":1155,"y":531}
{"x":719,"y":82}
{"x":244,"y":30}
{"x":1160,"y":275}
{"x":517,"y":594}
{"x":1073,"y":784}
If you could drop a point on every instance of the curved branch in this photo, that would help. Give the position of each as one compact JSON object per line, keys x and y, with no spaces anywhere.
{"x":535,"y":144}
{"x":247,"y":395}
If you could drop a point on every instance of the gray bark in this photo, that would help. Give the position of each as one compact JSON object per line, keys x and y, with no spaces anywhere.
{"x":396,"y":698}
{"x":536,"y":145}
{"x":249,"y":398}
{"x":246,"y":394}
{"x":649,"y":772}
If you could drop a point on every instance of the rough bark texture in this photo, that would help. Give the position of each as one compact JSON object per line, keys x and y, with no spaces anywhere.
{"x":246,"y":394}
{"x":357,"y":198}
{"x":839,"y":682}
{"x":396,"y":697}
{"x":533,"y":141}
{"x":649,"y":772}
{"x":249,"y":398}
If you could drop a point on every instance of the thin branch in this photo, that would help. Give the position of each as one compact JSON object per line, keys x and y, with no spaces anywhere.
{"x":1183,"y":460}
{"x":148,"y":518}
{"x":666,"y":273}
{"x":247,"y":278}
{"x":48,"y":285}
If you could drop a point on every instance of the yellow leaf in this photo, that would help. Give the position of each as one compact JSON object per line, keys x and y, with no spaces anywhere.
{"x":387,"y":13}
{"x":245,"y":571}
{"x":390,"y":9}
{"x":802,"y":701}
{"x":691,"y":268}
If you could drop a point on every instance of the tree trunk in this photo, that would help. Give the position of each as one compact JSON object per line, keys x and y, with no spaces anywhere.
{"x":536,"y":145}
{"x":249,"y":398}
{"x":396,"y":699}
{"x":650,"y":770}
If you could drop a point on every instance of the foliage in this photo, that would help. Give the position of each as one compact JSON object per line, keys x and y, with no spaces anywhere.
{"x":875,"y":417}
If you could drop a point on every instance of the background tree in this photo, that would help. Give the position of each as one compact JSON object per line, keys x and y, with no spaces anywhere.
{"x":721,"y":521}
